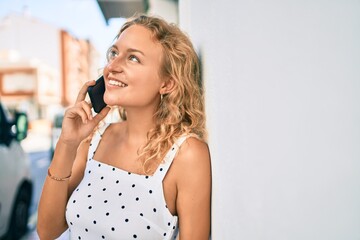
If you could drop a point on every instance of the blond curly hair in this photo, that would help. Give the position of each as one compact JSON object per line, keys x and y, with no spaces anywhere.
{"x":181,"y":112}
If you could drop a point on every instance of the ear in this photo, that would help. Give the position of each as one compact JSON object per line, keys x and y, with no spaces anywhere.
{"x":167,"y":86}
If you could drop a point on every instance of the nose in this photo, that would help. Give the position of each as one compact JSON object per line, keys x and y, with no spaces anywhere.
{"x":115,"y":64}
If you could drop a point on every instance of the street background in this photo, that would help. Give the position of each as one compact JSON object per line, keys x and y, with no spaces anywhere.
{"x":282,"y":92}
{"x":37,"y":145}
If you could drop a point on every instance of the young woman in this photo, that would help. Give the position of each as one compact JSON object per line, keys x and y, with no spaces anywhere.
{"x":149,"y":176}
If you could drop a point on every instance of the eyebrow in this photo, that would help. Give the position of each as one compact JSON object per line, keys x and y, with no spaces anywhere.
{"x":135,"y":50}
{"x":129,"y":50}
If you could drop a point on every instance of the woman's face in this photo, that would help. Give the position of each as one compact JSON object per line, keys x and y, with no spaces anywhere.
{"x":132,"y":76}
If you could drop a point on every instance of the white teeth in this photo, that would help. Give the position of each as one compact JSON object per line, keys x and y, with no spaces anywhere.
{"x":117,"y":83}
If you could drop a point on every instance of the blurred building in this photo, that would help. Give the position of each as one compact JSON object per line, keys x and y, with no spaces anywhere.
{"x":42,"y":67}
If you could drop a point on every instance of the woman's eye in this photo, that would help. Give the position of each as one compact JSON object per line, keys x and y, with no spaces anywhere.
{"x":133,"y":58}
{"x":112,"y":54}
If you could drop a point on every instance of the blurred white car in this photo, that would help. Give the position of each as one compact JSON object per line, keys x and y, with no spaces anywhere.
{"x":15,"y":176}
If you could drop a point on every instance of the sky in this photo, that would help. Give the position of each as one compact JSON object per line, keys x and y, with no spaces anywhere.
{"x":81,"y":18}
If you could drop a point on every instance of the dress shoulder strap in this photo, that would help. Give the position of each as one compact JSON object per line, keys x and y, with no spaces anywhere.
{"x":96,"y":139}
{"x":169,"y":157}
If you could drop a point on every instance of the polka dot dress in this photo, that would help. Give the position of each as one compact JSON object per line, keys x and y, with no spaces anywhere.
{"x":110,"y":203}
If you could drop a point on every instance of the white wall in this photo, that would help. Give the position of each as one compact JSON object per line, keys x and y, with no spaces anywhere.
{"x":167,"y":9}
{"x":283,"y":103}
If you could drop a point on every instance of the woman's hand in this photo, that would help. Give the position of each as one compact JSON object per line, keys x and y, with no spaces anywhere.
{"x":78,"y":121}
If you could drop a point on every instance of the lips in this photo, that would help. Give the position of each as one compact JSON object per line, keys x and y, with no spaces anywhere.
{"x":117,"y":83}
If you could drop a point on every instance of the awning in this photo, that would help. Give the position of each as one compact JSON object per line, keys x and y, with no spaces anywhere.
{"x":122,"y":8}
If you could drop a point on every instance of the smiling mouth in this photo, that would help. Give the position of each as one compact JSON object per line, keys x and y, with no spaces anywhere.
{"x":117,"y":83}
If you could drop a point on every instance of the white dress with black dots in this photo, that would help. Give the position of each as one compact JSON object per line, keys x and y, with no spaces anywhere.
{"x":110,"y":203}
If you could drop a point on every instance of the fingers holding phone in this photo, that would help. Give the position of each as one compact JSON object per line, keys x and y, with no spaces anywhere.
{"x":78,"y":121}
{"x":86,"y":107}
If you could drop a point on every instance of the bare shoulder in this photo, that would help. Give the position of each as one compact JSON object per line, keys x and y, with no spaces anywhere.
{"x":193,"y":151}
{"x":193,"y":158}
{"x":193,"y":182}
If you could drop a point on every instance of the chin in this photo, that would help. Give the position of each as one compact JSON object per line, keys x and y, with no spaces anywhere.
{"x":111,"y":100}
{"x":108,"y":100}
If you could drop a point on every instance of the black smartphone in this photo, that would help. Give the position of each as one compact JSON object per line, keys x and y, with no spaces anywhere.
{"x":96,"y":94}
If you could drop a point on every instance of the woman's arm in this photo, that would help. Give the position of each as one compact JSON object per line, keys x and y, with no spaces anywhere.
{"x":69,"y":160}
{"x":193,"y":202}
{"x":55,"y":194}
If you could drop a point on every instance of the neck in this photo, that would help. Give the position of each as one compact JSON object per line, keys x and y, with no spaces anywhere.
{"x":139,"y":122}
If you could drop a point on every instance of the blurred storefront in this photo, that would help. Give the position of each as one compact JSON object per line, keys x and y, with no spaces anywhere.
{"x":29,"y":85}
{"x":42,"y":67}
